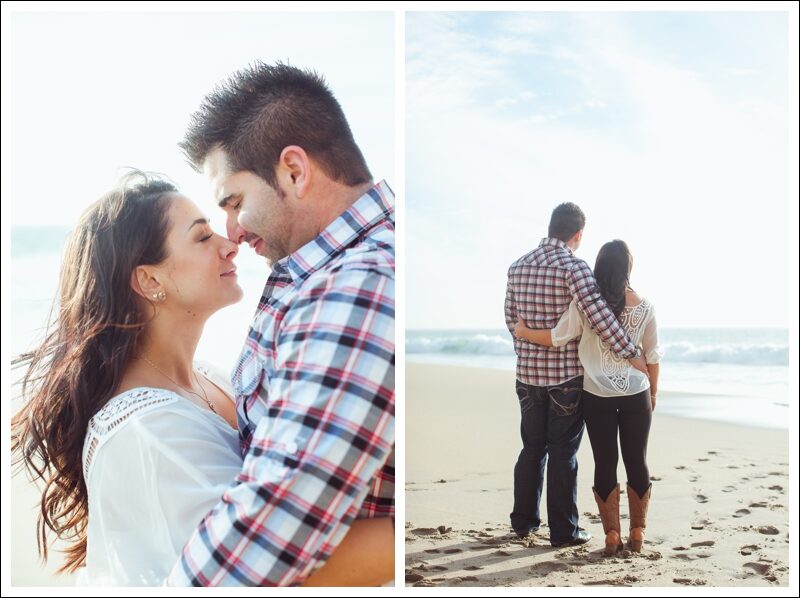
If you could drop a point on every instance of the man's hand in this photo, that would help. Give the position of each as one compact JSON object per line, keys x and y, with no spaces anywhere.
{"x":519,"y":328}
{"x":640,"y":364}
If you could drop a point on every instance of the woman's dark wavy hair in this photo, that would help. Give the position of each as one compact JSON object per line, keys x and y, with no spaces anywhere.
{"x":94,"y":325}
{"x":612,"y":271}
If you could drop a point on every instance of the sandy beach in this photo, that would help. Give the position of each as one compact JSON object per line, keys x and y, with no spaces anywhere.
{"x":719,"y":513}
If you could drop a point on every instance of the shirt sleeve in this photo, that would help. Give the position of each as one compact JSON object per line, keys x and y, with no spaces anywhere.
{"x":569,"y":326}
{"x":510,"y":307}
{"x":151,"y":483}
{"x":583,"y":288}
{"x":330,"y":430}
{"x":652,"y":351}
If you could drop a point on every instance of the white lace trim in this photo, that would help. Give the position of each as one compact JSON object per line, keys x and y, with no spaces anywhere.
{"x":617,"y":369}
{"x":117,"y":412}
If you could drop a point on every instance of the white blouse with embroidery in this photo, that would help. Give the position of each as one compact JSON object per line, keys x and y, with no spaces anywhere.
{"x":154,"y":464}
{"x":604,"y":373}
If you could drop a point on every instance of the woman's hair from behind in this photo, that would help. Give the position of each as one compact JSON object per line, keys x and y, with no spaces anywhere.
{"x":612,"y":270}
{"x":92,"y":334}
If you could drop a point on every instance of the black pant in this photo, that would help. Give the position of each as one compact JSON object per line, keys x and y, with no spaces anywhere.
{"x":631,"y":415}
{"x":551,"y":428}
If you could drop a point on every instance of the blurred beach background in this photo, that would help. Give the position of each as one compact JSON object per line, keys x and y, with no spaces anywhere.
{"x":669,"y":130}
{"x":93,"y":93}
{"x":733,"y":375}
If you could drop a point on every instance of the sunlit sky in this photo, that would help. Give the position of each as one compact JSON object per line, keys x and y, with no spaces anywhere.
{"x":670,"y":130}
{"x":92,"y":93}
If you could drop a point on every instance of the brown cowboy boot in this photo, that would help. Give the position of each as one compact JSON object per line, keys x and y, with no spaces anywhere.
{"x":609,"y":515}
{"x":638,"y":513}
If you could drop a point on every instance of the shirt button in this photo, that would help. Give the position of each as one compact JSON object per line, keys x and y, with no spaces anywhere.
{"x":291,"y":448}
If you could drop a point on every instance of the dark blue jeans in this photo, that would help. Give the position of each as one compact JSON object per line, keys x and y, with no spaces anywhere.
{"x":552,"y":428}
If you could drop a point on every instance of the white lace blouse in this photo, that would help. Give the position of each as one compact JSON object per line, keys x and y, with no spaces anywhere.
{"x":154,"y":464}
{"x":604,"y":373}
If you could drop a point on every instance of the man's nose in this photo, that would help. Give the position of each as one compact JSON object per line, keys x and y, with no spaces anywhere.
{"x":235,"y":232}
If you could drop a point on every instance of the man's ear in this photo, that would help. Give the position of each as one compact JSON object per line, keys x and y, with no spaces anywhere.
{"x":145,"y":283}
{"x":294,"y":170}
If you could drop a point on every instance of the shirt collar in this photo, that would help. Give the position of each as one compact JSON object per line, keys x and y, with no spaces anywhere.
{"x":369,"y":210}
{"x":552,"y":241}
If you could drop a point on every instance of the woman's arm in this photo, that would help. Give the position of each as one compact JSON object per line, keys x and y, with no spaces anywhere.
{"x":652,"y":353}
{"x":652,"y":369}
{"x":364,"y":558}
{"x":540,"y":337}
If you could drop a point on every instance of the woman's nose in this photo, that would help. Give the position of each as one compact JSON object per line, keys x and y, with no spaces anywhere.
{"x":228,"y":249}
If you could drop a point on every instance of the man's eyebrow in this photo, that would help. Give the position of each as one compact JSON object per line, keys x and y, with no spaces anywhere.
{"x":224,"y":201}
{"x":198,"y":221}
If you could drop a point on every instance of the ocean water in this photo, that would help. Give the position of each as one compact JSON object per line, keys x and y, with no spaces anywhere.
{"x":728,"y":375}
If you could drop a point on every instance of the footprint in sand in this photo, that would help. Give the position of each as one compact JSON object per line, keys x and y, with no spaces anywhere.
{"x":741,"y":512}
{"x":414,"y":577}
{"x":701,"y":523}
{"x":425,"y":531}
{"x":472,"y":568}
{"x":701,"y":499}
{"x":776,"y":488}
{"x":690,"y":557}
{"x":758,"y":505}
{"x":703,"y":459}
{"x":452,"y":550}
{"x":501,"y":553}
{"x":760,"y":568}
{"x":655,"y":478}
{"x":694,"y":478}
{"x":704,"y":543}
{"x":748,"y":550}
{"x":437,"y":568}
{"x":768,"y":530}
{"x":689,"y":582}
{"x":652,"y":556}
{"x":432,"y":550}
{"x":548,"y":567}
{"x":729,"y":489}
{"x":733,"y":467}
{"x":680,"y":467}
{"x":713,"y":453}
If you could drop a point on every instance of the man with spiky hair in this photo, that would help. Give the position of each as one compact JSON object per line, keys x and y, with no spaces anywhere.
{"x":314,"y":383}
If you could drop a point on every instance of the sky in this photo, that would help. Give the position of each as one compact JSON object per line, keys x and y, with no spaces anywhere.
{"x":670,"y":130}
{"x":93,"y":93}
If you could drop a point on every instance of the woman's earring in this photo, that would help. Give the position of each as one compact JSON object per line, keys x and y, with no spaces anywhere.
{"x":160,"y":296}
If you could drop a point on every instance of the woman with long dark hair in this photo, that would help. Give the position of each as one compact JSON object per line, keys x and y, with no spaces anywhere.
{"x":618,"y":400}
{"x":134,"y":442}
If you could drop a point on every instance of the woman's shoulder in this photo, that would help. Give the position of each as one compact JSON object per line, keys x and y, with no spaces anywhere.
{"x":120,"y":410}
{"x":126,"y":405}
{"x":634,"y":299}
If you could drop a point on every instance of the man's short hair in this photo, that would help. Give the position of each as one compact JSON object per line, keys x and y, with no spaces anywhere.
{"x":566,"y":220}
{"x":262,"y":109}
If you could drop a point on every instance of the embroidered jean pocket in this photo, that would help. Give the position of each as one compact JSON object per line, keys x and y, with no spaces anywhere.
{"x":565,"y":399}
{"x":525,"y":399}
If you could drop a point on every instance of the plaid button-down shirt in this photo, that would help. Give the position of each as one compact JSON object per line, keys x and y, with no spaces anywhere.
{"x":315,"y":400}
{"x":541,"y":285}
